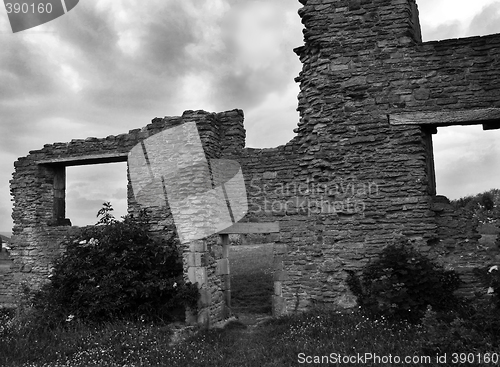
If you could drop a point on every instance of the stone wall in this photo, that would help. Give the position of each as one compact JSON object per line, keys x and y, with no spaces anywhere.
{"x":349,"y":183}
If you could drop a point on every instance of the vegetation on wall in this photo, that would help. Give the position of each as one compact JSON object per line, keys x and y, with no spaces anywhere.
{"x":402,"y":283}
{"x":116,"y":270}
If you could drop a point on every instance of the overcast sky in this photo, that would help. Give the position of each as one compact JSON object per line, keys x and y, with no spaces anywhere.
{"x":110,"y":66}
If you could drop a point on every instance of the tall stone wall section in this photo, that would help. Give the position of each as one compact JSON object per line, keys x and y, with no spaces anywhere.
{"x":361,"y":182}
{"x":349,"y":183}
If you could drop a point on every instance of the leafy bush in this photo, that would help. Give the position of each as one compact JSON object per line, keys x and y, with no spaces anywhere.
{"x":116,"y":270}
{"x":475,"y":328}
{"x":402,"y":283}
{"x":443,"y":336}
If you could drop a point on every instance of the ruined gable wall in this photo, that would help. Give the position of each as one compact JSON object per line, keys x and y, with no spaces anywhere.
{"x":37,"y":233}
{"x":363,"y":60}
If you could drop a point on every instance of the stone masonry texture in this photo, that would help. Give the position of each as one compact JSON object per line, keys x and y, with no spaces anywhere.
{"x":348,"y":184}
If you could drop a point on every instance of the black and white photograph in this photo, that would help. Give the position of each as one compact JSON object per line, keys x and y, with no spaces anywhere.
{"x":249,"y":183}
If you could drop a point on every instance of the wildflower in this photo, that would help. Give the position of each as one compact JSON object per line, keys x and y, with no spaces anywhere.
{"x":175,"y":285}
{"x":491,"y":290}
{"x":83,"y":242}
{"x":70,"y":318}
{"x":494,"y":267}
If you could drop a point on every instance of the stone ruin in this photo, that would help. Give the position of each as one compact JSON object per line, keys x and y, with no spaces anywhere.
{"x":358,"y":175}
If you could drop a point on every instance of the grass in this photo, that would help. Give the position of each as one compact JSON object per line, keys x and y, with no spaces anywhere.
{"x":278,"y":342}
{"x":251,"y":278}
{"x":116,"y":344}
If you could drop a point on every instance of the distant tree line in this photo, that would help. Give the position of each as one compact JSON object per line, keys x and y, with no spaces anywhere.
{"x":484,"y":206}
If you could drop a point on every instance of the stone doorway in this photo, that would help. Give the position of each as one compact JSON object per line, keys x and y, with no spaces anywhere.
{"x":252,"y":277}
{"x":258,"y":256}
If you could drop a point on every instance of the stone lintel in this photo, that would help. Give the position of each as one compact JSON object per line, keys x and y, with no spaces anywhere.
{"x":86,"y":159}
{"x":486,"y":116}
{"x":270,"y":227}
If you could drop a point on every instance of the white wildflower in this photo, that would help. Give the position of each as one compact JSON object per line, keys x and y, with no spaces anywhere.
{"x":70,"y":318}
{"x":491,"y":290}
{"x":494,"y":267}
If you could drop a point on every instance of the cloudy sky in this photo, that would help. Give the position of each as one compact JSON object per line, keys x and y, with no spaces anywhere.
{"x":110,"y":66}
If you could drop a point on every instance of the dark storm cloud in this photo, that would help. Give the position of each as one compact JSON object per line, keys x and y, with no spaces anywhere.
{"x":487,"y":21}
{"x":23,"y":71}
{"x":166,"y":36}
{"x":247,"y":89}
{"x":246,"y":58}
{"x":91,"y":36}
{"x":119,"y":80}
{"x":24,"y":85}
{"x":34,"y":88}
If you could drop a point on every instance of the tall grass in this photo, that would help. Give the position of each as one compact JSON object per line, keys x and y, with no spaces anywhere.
{"x":278,"y":342}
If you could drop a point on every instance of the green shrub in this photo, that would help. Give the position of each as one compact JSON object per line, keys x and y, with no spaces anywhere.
{"x":475,"y":328}
{"x":443,"y":336}
{"x":402,"y":283}
{"x":116,"y":270}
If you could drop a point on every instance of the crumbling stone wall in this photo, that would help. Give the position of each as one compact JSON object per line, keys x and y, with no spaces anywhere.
{"x":38,"y":189}
{"x":356,"y":177}
{"x":352,"y":180}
